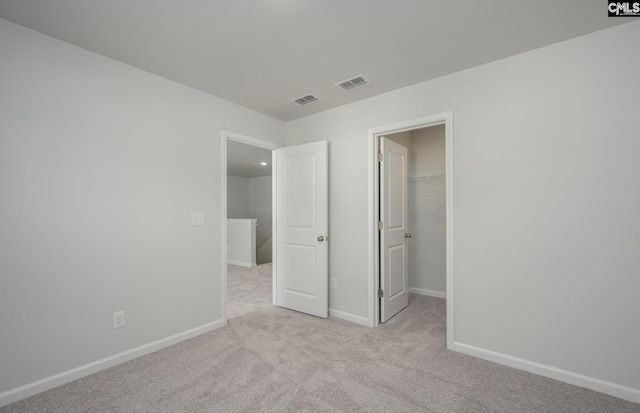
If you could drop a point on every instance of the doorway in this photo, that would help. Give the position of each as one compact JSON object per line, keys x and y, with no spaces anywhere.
{"x":414,"y":261}
{"x":248,"y":207}
{"x":424,"y":249}
{"x":299,"y":224}
{"x":249,"y":204}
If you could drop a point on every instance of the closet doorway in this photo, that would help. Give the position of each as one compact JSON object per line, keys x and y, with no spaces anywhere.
{"x":412,"y":180}
{"x":412,"y":213}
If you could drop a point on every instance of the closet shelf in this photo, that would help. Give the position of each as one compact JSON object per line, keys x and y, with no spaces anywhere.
{"x":427,"y":177}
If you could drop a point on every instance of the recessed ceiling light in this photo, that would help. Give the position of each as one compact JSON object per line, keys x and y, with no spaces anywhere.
{"x":263,"y":163}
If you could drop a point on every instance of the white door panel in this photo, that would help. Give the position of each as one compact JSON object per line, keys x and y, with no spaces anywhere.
{"x":300,"y":178}
{"x":394,"y":213}
{"x":302,"y":226}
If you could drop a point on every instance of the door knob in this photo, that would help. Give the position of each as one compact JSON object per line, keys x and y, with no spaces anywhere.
{"x":320,"y":238}
{"x":407,"y":235}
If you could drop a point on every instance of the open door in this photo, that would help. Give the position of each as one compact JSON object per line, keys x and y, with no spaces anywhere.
{"x":302,"y":253}
{"x":394,"y":233}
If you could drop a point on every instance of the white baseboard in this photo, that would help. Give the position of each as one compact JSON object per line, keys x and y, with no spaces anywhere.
{"x":430,"y":293}
{"x":59,"y":379}
{"x":613,"y":389}
{"x":349,"y":317}
{"x":242,"y":264}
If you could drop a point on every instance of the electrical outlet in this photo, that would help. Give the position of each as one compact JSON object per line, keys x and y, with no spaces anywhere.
{"x":334,"y":283}
{"x":197,"y":219}
{"x":118,"y":319}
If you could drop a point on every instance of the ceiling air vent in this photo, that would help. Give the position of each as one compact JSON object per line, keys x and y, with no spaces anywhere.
{"x":305,"y":100}
{"x":353,"y":83}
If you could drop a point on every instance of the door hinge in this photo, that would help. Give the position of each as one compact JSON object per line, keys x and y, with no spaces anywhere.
{"x":380,"y":293}
{"x":380,"y":156}
{"x":380,"y":225}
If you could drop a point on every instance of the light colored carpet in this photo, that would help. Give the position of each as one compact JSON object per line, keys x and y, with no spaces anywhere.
{"x":248,"y":290}
{"x":275,"y":360}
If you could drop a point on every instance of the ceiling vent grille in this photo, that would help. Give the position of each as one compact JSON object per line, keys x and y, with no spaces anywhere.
{"x":353,"y":83}
{"x":305,"y":100}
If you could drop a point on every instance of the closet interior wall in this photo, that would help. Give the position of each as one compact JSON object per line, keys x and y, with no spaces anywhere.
{"x":427,"y":212}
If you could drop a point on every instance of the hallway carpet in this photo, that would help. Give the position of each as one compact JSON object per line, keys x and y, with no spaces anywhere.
{"x":269,"y":359}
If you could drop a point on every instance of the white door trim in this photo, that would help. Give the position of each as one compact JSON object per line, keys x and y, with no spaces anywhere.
{"x":445,"y":118}
{"x":228,"y":135}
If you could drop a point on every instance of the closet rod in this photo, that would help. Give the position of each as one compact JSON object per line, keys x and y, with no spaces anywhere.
{"x":427,"y":177}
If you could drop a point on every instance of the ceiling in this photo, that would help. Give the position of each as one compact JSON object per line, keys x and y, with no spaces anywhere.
{"x":262,"y":54}
{"x":244,"y":160}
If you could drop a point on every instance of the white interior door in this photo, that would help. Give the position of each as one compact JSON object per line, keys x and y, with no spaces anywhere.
{"x":302,"y":252}
{"x":394,"y":276}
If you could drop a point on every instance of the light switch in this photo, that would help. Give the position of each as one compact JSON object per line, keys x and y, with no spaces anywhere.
{"x":197,"y":218}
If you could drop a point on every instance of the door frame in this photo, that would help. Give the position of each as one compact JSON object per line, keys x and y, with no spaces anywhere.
{"x":445,"y":118}
{"x":226,"y":136}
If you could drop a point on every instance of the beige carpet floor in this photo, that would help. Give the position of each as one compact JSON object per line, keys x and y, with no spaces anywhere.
{"x":269,"y":359}
{"x":248,"y":290}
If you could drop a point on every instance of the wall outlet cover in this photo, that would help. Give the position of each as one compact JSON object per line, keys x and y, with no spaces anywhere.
{"x":197,"y":218}
{"x":118,"y":319}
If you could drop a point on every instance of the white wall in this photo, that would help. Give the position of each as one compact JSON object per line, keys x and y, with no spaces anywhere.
{"x":260,"y":207}
{"x":545,"y":214}
{"x":238,"y":197}
{"x":241,"y":242}
{"x":404,"y":139}
{"x":427,"y":155}
{"x":101,"y":165}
